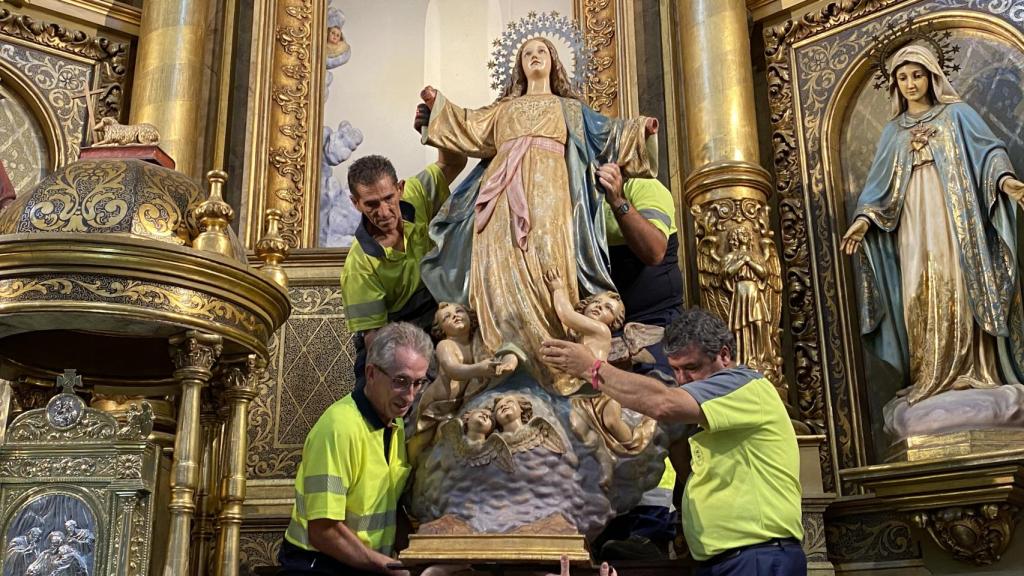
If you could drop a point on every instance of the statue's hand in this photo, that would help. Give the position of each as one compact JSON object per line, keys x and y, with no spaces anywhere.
{"x":553,"y":278}
{"x":651,"y":127}
{"x":1014,"y":189}
{"x":854,"y":236}
{"x":507,"y":364}
{"x":428,"y":95}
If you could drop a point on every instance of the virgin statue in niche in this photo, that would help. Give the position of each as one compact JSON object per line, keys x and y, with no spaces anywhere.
{"x":938,"y":222}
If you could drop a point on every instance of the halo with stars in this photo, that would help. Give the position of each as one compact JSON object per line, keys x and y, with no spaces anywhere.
{"x":552,"y":26}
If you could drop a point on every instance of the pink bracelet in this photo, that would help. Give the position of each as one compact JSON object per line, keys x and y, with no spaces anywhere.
{"x":594,"y":377}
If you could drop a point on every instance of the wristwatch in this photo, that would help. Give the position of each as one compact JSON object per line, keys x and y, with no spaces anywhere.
{"x":623,"y":209}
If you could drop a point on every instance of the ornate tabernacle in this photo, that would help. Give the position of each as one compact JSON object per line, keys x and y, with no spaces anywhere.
{"x":79,"y":490}
{"x":119,"y":268}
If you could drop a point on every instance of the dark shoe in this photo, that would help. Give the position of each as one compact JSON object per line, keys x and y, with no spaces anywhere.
{"x":633,"y":548}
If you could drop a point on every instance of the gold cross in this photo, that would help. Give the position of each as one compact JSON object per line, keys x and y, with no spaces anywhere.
{"x":88,"y":94}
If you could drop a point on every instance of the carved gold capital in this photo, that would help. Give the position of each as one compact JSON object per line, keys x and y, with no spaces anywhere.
{"x":240,"y":378}
{"x":976,"y":534}
{"x":728,"y":179}
{"x":194,"y":353}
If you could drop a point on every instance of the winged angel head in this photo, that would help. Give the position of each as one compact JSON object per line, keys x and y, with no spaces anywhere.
{"x":487,"y":435}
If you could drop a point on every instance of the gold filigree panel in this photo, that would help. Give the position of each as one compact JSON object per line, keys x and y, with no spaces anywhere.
{"x":809,"y":60}
{"x":52,"y":65}
{"x":259,"y":548}
{"x":23,"y":147}
{"x":310,"y":368}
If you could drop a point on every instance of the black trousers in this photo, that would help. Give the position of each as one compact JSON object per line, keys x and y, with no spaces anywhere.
{"x":295,"y":561}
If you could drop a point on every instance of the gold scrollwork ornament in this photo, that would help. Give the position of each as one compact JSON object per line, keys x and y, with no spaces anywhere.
{"x":976,"y":534}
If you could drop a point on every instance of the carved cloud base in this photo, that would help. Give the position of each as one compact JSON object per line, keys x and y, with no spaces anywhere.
{"x":956,"y":410}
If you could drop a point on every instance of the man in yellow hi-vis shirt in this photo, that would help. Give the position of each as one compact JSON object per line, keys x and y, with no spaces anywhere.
{"x":354,"y":465}
{"x":741,"y":507}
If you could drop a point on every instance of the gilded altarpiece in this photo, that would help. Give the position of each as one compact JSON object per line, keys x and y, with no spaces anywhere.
{"x":826,"y":120}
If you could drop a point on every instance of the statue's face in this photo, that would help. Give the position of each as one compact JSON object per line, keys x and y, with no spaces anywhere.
{"x":454,"y":320}
{"x":507,"y":411}
{"x":56,"y":539}
{"x":604,"y":309}
{"x":334,"y":35}
{"x":479,"y":422}
{"x":379,"y":202}
{"x":912,"y":80}
{"x":536,"y":59}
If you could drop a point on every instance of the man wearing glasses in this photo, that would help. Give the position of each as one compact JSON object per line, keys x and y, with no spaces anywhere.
{"x":354,"y":465}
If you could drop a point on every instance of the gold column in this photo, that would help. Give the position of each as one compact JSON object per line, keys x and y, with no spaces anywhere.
{"x":728,"y":189}
{"x":207,"y":497}
{"x":193,"y":354}
{"x":167,"y":91}
{"x":239,"y":389}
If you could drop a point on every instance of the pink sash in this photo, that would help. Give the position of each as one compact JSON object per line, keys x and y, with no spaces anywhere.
{"x":508,"y":178}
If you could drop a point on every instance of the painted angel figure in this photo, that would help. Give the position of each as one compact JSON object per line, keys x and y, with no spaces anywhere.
{"x":938,"y":222}
{"x":475,"y":442}
{"x":533,"y":204}
{"x":747,"y":292}
{"x":461,"y":375}
{"x":520,"y":429}
{"x":591,"y":323}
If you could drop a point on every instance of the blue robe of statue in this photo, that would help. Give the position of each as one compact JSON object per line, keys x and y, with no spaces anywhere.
{"x":935,"y":182}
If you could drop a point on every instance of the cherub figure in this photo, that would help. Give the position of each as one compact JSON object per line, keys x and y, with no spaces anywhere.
{"x":459,"y":377}
{"x":520,"y":429}
{"x":474,"y":441}
{"x":592,"y":320}
{"x":591,"y":323}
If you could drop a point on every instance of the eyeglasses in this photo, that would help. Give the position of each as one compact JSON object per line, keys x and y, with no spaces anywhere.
{"x":403,"y":383}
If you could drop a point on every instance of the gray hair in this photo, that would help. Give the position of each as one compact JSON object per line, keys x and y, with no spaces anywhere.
{"x":700,"y":328}
{"x":394,"y":336}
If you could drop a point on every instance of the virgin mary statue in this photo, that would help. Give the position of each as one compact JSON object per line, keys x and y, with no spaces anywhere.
{"x":937,"y":218}
{"x":531,"y":206}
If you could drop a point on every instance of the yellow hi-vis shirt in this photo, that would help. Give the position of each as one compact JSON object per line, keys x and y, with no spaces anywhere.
{"x":377,"y":282}
{"x":650,"y":199}
{"x":745,"y":484}
{"x":344,"y":475}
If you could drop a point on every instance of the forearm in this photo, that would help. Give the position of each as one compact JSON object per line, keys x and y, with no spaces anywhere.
{"x":339,"y":542}
{"x":451,"y":164}
{"x":457,"y":371}
{"x":644,"y":239}
{"x":648,"y":396}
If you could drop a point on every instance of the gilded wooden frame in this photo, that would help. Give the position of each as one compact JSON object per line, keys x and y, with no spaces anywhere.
{"x":287,"y":82}
{"x":807,"y":104}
